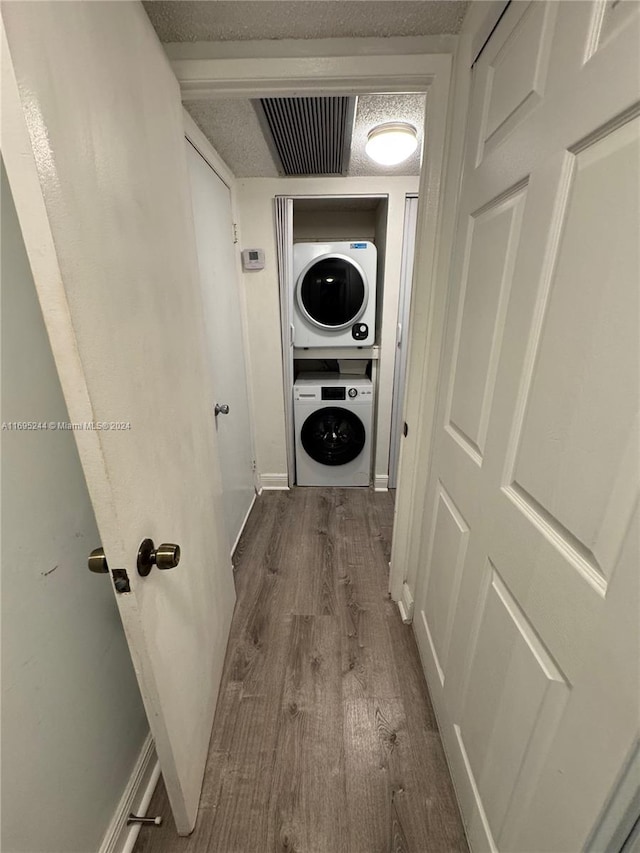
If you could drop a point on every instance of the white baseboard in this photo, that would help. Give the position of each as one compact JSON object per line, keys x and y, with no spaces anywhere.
{"x":242,"y":526}
{"x":274,"y":482}
{"x":381,"y":483}
{"x":120,"y":838}
{"x":405,"y":605}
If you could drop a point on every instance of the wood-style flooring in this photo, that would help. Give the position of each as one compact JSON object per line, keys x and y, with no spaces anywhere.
{"x":324,"y":739}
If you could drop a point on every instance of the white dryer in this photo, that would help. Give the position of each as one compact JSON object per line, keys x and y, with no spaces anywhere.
{"x":334,"y":299}
{"x":333,"y":418}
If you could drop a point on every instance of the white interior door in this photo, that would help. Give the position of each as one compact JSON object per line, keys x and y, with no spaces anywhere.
{"x":527,"y":607}
{"x":213,"y":222}
{"x":93,"y":142}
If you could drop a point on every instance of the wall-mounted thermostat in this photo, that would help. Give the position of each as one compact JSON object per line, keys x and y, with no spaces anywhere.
{"x":252,"y":259}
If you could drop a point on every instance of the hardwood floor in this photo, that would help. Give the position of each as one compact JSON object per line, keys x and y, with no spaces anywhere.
{"x":324,"y":739}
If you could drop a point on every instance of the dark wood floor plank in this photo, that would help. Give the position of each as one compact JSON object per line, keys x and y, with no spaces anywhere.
{"x":265,"y":602}
{"x":366,"y":648}
{"x":313,"y":544}
{"x":426,"y":807}
{"x":220,"y":744}
{"x":368,"y":787}
{"x":324,"y":740}
{"x":240,"y":818}
{"x":307,"y":810}
{"x":406,"y":662}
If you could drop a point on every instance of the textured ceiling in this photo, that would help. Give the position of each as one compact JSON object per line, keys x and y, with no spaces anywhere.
{"x":232,"y":127}
{"x":376,"y":109}
{"x":241,"y":20}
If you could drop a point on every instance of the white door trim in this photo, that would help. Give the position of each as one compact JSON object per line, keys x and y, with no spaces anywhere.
{"x":426,"y":327}
{"x":257,"y":69}
{"x":402,"y":334}
{"x":283,"y":216}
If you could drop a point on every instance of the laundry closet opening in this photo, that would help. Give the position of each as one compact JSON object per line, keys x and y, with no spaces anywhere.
{"x":326,"y":236}
{"x":345,"y":297}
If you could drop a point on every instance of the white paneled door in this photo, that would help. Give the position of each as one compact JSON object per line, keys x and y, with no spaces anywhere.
{"x":213,"y":222}
{"x":93,"y":143}
{"x":527,"y":607}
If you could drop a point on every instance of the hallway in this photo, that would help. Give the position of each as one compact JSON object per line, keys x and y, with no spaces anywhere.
{"x":324,"y":739}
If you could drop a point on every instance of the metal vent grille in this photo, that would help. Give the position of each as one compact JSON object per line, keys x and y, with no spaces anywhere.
{"x":310,"y":136}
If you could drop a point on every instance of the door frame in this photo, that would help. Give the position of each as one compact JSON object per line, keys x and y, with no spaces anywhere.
{"x":409,"y":236}
{"x":329,"y":66}
{"x":288,"y":351}
{"x":428,"y":315}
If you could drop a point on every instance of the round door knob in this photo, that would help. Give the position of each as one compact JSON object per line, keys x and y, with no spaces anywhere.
{"x":165,"y":556}
{"x":221,"y":409}
{"x":97,"y":562}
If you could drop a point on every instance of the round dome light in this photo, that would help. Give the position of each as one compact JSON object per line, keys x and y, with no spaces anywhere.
{"x":391,"y":143}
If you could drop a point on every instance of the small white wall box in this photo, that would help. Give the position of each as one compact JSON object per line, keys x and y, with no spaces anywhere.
{"x":253,"y":259}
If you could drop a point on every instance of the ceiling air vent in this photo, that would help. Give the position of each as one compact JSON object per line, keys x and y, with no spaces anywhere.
{"x":310,"y":136}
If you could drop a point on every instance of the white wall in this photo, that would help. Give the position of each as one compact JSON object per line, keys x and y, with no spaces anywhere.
{"x":333,"y":226}
{"x":72,"y":718}
{"x":255,"y":207}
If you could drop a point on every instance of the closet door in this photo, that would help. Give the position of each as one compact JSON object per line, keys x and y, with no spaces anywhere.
{"x":213,"y":222}
{"x":527,"y":605}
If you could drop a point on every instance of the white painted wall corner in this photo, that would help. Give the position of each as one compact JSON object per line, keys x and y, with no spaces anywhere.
{"x":120,"y":838}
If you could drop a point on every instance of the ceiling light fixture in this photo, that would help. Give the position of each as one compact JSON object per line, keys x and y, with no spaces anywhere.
{"x":391,"y":143}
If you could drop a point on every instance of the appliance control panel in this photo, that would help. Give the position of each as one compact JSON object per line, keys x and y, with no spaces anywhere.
{"x":359,"y":331}
{"x":332,"y":392}
{"x":315,"y":388}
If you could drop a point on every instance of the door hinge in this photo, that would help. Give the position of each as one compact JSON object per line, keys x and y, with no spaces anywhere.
{"x":253,"y":464}
{"x":235,"y":232}
{"x":405,"y":429}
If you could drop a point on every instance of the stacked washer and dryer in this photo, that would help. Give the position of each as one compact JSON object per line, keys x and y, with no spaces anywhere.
{"x":334,"y":305}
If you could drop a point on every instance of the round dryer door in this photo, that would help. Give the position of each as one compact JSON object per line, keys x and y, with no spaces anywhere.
{"x":333,"y":436}
{"x":332,"y":292}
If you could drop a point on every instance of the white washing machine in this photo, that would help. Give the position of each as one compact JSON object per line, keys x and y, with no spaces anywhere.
{"x":334,"y":299}
{"x":333,"y":418}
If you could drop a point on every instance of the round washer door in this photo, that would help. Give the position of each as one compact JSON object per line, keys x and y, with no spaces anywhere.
{"x":333,"y":436}
{"x":332,"y":292}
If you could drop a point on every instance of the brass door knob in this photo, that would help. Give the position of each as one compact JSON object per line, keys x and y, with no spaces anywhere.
{"x":97,"y":562}
{"x":165,"y":556}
